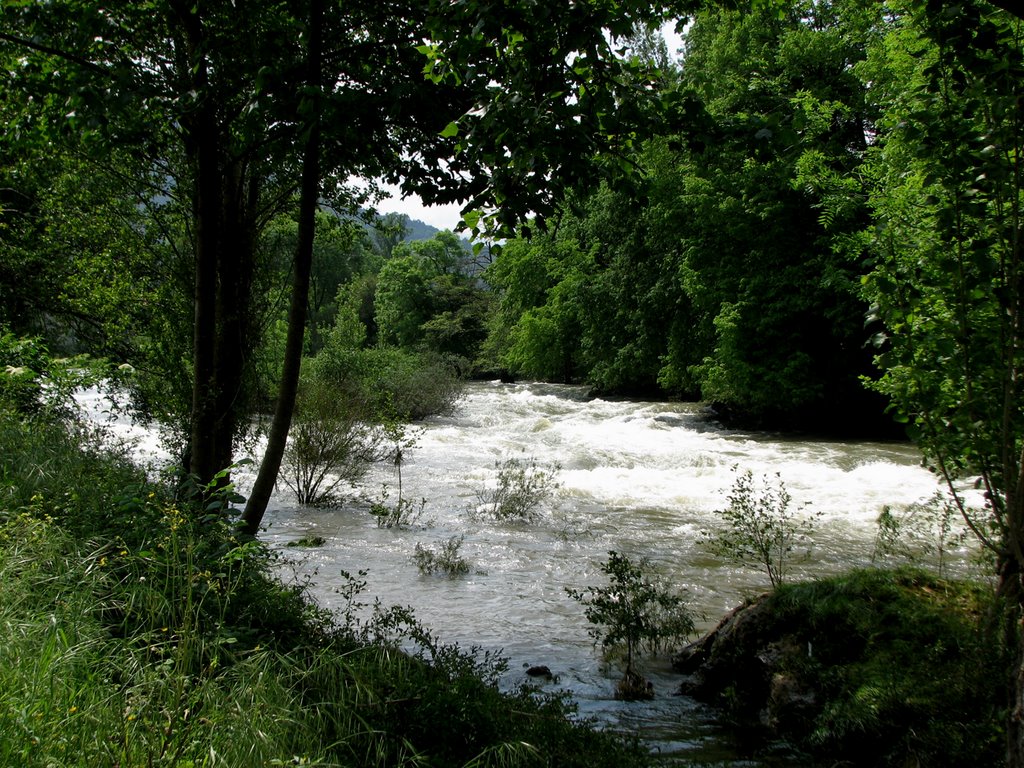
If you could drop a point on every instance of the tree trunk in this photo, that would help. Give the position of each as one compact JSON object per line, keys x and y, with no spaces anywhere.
{"x":308,"y":198}
{"x":202,"y":147}
{"x":236,"y":264}
{"x":1010,"y":594}
{"x":225,"y":195}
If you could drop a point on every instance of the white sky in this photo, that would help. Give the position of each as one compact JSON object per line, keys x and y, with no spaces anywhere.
{"x":440,"y":216}
{"x":447,"y":216}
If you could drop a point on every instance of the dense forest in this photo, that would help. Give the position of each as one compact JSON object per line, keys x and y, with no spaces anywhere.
{"x":808,"y":219}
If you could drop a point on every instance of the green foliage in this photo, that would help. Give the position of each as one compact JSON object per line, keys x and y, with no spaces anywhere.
{"x":444,"y":559}
{"x":633,"y":612}
{"x":332,"y":442}
{"x":535,"y":330}
{"x":69,"y":472}
{"x":389,"y":382}
{"x":521,"y":487}
{"x":200,"y":153}
{"x":719,"y":277}
{"x":923,"y":534}
{"x":152,"y":637}
{"x":310,"y":541}
{"x":428,"y":298}
{"x":946,"y":287}
{"x":759,"y":529}
{"x":905,"y":669}
{"x":102,"y":693}
{"x":33,"y":381}
{"x":405,"y":512}
{"x":341,"y":252}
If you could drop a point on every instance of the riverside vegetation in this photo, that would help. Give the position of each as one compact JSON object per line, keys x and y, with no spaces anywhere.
{"x":149,"y":632}
{"x":142,"y":633}
{"x":809,"y":166}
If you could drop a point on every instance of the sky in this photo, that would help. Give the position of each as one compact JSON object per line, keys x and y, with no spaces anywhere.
{"x":447,"y":216}
{"x":440,"y":216}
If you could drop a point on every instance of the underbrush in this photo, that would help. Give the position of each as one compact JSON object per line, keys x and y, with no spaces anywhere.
{"x":907,"y":663}
{"x":870,"y":668}
{"x":139,"y":632}
{"x":403,"y":384}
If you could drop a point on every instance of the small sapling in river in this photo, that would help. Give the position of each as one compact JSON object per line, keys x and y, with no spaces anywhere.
{"x":635,"y":614}
{"x":760,"y":530}
{"x":520,"y":489}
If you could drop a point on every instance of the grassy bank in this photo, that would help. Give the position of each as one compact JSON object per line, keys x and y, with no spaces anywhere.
{"x":137,"y":633}
{"x":870,"y":668}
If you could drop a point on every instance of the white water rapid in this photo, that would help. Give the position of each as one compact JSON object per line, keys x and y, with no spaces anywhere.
{"x":642,"y":478}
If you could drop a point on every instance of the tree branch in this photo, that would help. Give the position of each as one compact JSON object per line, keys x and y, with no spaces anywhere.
{"x":67,"y":56}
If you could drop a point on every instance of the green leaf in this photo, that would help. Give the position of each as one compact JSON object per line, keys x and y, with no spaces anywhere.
{"x":471,"y":218}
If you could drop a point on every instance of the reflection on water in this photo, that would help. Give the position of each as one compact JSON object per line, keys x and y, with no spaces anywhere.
{"x":643,"y":478}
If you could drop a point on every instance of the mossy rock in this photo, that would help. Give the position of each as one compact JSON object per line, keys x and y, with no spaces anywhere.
{"x":875,"y":667}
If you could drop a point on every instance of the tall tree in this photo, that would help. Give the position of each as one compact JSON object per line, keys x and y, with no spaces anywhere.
{"x":497,"y":109}
{"x":949,"y":280}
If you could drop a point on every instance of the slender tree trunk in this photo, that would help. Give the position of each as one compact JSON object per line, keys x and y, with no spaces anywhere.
{"x":308,"y":198}
{"x":233,"y":341}
{"x":225,"y":194}
{"x":1010,"y":593}
{"x":202,"y":147}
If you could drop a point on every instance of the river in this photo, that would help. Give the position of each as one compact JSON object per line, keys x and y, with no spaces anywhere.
{"x":641,"y":478}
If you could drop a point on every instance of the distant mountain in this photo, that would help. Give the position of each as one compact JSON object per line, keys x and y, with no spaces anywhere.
{"x":420,"y":230}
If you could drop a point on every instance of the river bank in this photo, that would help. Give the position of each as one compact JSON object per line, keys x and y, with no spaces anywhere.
{"x":142,"y":632}
{"x":643,"y":478}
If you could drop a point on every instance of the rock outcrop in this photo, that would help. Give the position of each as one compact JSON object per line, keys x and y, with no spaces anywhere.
{"x":747,"y":664}
{"x":869,"y":668}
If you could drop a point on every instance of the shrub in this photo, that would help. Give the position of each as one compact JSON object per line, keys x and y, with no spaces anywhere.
{"x":66,"y":471}
{"x":31,"y":381}
{"x":332,"y":442}
{"x":760,"y":531}
{"x":875,"y":667}
{"x":391,"y":383}
{"x":520,"y":489}
{"x":404,"y":513}
{"x":443,"y":559}
{"x":926,"y":531}
{"x":634,"y":613}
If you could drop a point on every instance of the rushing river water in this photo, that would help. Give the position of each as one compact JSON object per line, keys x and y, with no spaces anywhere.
{"x":642,"y":478}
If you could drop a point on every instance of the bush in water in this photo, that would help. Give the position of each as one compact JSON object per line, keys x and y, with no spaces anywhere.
{"x":926,"y":531}
{"x":760,"y":531}
{"x":332,"y":441}
{"x":636,"y":614}
{"x":404,"y":512}
{"x":393,"y":383}
{"x":444,"y":558}
{"x":520,"y":489}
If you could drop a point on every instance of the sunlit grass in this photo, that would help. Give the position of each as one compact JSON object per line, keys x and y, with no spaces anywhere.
{"x":134,"y":632}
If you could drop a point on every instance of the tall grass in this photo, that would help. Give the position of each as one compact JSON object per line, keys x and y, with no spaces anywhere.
{"x":136,"y":632}
{"x":74,"y":692}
